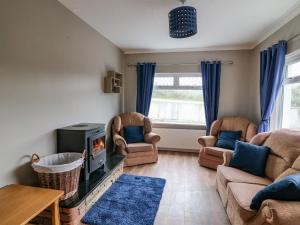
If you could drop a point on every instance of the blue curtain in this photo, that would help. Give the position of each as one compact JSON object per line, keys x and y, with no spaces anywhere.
{"x":145,"y":79}
{"x":211,"y":74}
{"x":272,"y":63}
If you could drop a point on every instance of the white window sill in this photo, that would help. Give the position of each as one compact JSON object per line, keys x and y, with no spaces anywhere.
{"x":178,"y":126}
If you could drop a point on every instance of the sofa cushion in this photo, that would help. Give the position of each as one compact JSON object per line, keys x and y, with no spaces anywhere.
{"x":287,"y":189}
{"x":240,"y":196}
{"x":228,"y":174}
{"x":296,"y":164}
{"x":215,"y":151}
{"x":139,"y":147}
{"x":260,"y":138}
{"x":250,"y":158}
{"x":285,"y":145}
{"x":226,"y":139}
{"x":288,"y":172}
{"x":134,"y":134}
{"x":275,"y":166}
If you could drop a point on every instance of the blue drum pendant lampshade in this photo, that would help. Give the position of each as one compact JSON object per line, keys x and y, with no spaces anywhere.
{"x":183,"y":22}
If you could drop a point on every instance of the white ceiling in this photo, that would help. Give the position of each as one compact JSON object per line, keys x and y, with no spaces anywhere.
{"x":142,"y":25}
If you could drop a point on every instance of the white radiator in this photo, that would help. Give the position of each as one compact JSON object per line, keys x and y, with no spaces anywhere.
{"x":179,"y":139}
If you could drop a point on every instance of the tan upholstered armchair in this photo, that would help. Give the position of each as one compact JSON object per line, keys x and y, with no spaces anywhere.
{"x":136,"y":153}
{"x":211,"y":156}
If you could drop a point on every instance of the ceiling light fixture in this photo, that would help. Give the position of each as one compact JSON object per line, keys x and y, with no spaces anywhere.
{"x":183,"y":21}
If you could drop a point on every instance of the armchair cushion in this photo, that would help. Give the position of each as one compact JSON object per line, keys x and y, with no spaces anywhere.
{"x":235,"y":124}
{"x":139,"y":147}
{"x":287,"y":189}
{"x":215,"y":151}
{"x":226,"y":139}
{"x":250,"y":158}
{"x":134,"y":134}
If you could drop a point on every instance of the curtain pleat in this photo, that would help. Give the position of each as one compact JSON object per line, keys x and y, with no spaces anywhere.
{"x":145,"y":80}
{"x":211,"y":74}
{"x":272,"y":62}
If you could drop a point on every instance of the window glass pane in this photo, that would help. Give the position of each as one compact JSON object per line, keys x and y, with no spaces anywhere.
{"x":190,"y":81}
{"x":163,"y":81}
{"x":177,"y":106}
{"x":293,"y":70}
{"x":291,"y":106}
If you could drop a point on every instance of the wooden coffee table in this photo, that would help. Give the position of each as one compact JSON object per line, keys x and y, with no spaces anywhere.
{"x":19,"y":204}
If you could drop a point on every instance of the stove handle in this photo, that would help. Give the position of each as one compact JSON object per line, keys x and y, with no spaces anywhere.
{"x":101,"y":162}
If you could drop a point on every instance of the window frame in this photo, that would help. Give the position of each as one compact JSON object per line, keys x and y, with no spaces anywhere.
{"x":277,"y":115}
{"x":176,"y":85}
{"x":176,"y":76}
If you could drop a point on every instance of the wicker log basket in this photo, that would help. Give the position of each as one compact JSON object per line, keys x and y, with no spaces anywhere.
{"x":59,"y":171}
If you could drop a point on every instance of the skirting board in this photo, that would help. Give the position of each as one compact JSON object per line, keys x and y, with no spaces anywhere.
{"x":178,"y":150}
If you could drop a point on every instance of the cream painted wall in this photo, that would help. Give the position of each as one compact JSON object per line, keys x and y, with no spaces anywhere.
{"x":284,"y":33}
{"x":52,"y":66}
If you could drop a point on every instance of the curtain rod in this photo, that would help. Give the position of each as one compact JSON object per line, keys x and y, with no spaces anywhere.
{"x":229,"y":62}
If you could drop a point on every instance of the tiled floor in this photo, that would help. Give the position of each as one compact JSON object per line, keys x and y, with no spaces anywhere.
{"x":190,"y":196}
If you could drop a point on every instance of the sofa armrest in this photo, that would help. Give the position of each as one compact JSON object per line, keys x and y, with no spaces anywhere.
{"x":260,"y":138}
{"x":227,"y":157}
{"x":207,"y":141}
{"x":280,"y":212}
{"x":152,"y":138}
{"x":119,"y":140}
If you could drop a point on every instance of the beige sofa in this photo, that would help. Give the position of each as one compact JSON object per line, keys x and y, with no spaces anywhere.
{"x":237,"y":188}
{"x":211,"y":156}
{"x":135,"y":153}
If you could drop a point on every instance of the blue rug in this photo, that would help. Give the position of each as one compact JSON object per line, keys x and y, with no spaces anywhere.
{"x":131,"y":200}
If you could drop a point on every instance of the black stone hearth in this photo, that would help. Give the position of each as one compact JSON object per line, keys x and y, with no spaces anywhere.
{"x":96,"y":178}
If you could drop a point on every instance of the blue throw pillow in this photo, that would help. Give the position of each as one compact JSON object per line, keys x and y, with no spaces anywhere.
{"x":250,"y":158}
{"x":134,"y":134}
{"x":227,"y":139}
{"x":286,"y":189}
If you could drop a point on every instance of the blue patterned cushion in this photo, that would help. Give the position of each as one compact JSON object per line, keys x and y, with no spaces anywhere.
{"x":286,"y":189}
{"x":227,"y":139}
{"x":250,"y":158}
{"x":134,"y":134}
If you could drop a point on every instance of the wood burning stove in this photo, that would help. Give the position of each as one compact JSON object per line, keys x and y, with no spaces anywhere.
{"x":84,"y":136}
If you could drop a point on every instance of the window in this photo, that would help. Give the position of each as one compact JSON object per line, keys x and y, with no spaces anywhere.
{"x":177,"y":98}
{"x":289,"y":101}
